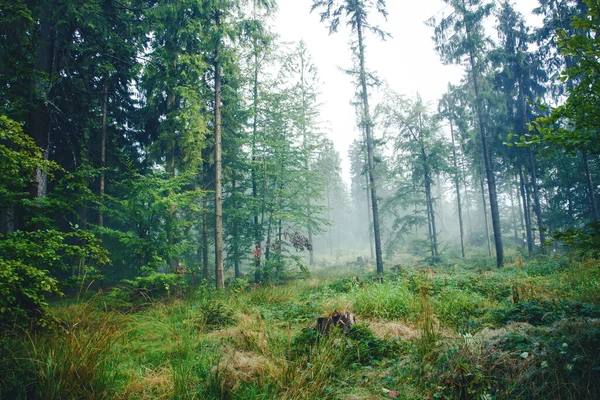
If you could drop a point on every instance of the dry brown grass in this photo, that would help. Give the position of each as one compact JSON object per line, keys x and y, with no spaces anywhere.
{"x":149,"y":384}
{"x":237,"y":367}
{"x":393,"y":329}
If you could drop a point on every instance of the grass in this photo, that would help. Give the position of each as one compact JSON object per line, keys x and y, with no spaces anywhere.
{"x":529,"y":330}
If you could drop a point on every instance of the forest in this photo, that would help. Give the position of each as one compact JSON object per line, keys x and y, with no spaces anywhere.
{"x":176,"y":221}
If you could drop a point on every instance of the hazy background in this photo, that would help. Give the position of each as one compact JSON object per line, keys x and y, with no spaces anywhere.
{"x":407,"y":61}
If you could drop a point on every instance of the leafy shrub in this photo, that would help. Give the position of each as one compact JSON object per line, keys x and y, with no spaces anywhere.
{"x":290,"y":311}
{"x":158,"y":285}
{"x":26,"y":262}
{"x":533,"y":312}
{"x":344,"y":285}
{"x":465,"y":372}
{"x":216,"y":314}
{"x":359,"y":347}
{"x":544,"y":265}
{"x":237,"y":284}
{"x":363,"y":347}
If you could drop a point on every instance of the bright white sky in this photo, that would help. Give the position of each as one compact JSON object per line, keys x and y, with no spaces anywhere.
{"x":407,"y":61}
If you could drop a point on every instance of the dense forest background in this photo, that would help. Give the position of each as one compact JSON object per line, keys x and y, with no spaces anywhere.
{"x":162,"y":143}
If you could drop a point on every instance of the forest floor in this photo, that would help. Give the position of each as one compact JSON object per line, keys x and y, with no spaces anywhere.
{"x":455,"y":331}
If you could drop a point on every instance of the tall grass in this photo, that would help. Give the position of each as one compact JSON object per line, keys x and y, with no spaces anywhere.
{"x":78,"y":360}
{"x":390,"y":300}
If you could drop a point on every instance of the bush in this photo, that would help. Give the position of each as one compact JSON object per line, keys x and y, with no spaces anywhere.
{"x":25,"y":270}
{"x":157,"y":285}
{"x":359,"y":347}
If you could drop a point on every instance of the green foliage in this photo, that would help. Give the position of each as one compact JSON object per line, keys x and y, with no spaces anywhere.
{"x":158,"y":285}
{"x":30,"y":262}
{"x":585,"y":241}
{"x":364,"y":348}
{"x":216,"y":314}
{"x":574,"y":124}
{"x":358,"y":347}
{"x":538,"y":313}
{"x":20,"y":159}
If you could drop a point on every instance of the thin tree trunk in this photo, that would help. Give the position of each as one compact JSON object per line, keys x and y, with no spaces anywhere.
{"x":526,"y":212}
{"x":218,"y":178}
{"x":369,"y":221}
{"x":467,"y":203}
{"x":173,"y":261}
{"x":39,"y":124}
{"x":520,"y":209}
{"x":235,"y":234}
{"x":491,"y":180}
{"x":329,"y":227}
{"x":367,"y":123}
{"x":103,"y":153}
{"x":257,"y":225}
{"x":457,"y":185}
{"x":513,"y":216}
{"x":306,"y":158}
{"x":537,"y":208}
{"x":485,"y":217}
{"x":429,"y":200}
{"x":590,"y":185}
{"x":205,"y":178}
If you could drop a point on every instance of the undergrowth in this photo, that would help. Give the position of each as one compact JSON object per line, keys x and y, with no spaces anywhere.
{"x":529,"y":330}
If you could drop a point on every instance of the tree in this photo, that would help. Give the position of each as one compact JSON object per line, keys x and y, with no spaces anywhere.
{"x":461,"y":37}
{"x":447,"y":110}
{"x":415,"y":136}
{"x":356,"y":13}
{"x":574,"y":124}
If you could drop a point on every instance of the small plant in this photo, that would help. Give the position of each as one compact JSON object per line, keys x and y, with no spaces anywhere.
{"x":217,"y":315}
{"x":427,"y":323}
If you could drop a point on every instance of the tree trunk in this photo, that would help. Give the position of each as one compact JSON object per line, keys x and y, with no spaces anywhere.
{"x":257,"y":225}
{"x":306,"y":159}
{"x":7,"y":220}
{"x":429,"y":200}
{"x":367,"y":123}
{"x":369,"y":221}
{"x":489,"y":171}
{"x":485,"y":217}
{"x":520,"y":210}
{"x":218,"y":178}
{"x":205,"y":273}
{"x":590,"y":185}
{"x":329,"y":227}
{"x":526,"y":215}
{"x":457,"y":186}
{"x":173,"y":261}
{"x":103,"y":152}
{"x":39,"y":125}
{"x":537,"y":208}
{"x":235,"y":233}
{"x":513,"y":216}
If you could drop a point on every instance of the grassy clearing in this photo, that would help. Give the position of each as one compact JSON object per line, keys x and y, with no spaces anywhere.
{"x":530,"y":330}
